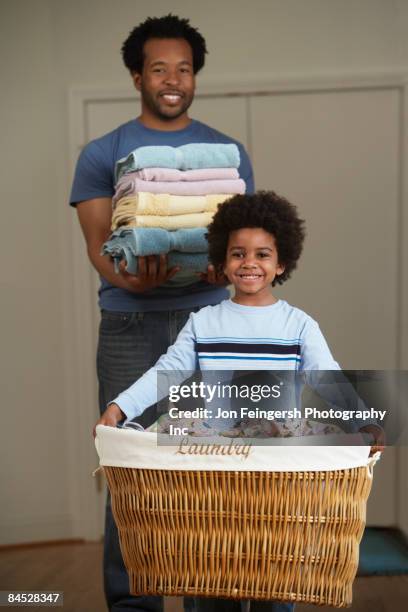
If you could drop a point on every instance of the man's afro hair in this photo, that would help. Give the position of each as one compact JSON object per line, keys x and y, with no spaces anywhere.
{"x":169,"y":26}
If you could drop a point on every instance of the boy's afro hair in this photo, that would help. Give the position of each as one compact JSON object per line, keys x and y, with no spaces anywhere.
{"x":169,"y":26}
{"x":266,"y":210}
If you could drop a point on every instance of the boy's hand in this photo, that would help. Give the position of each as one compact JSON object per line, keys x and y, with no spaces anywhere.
{"x":378,"y":435}
{"x":110,"y":417}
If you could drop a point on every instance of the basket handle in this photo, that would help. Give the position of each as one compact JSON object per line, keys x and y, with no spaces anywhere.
{"x":371,"y":463}
{"x":127,"y":424}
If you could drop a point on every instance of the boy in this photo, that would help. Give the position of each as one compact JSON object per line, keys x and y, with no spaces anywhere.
{"x":256,"y":240}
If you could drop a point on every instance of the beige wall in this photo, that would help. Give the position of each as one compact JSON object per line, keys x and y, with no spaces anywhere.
{"x":47,"y":47}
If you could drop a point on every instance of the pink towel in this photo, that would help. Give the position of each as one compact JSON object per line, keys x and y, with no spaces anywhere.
{"x":130,"y":184}
{"x":171,"y":174}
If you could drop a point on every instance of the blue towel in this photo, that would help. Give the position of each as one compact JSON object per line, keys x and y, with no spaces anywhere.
{"x":155,"y":241}
{"x":191,"y":156}
{"x":190,"y":263}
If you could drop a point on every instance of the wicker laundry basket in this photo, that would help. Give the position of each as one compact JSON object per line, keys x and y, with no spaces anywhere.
{"x":228,"y":526}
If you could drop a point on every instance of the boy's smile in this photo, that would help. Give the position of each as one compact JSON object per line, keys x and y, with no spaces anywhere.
{"x":251,"y":266}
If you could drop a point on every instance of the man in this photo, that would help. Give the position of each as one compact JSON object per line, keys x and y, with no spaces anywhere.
{"x":139,"y":317}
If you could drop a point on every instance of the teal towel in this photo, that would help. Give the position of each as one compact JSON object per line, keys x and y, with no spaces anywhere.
{"x":193,"y":156}
{"x":155,"y":241}
{"x":190,"y":263}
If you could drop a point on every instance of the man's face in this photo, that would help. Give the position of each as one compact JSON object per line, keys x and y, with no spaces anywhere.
{"x":167,"y":82}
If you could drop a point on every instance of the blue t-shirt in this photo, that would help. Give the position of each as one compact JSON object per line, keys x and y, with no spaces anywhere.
{"x":94,"y":178}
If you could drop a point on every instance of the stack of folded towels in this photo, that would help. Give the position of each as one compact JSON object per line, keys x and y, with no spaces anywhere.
{"x":165,"y":197}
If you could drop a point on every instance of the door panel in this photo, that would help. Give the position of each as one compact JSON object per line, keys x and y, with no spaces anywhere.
{"x":335,"y":155}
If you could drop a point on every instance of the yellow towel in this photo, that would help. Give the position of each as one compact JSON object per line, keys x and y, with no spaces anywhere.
{"x":144,"y":203}
{"x":170,"y":222}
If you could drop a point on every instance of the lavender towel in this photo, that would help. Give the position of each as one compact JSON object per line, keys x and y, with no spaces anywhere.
{"x":191,"y":156}
{"x":130,"y":184}
{"x":172,"y":174}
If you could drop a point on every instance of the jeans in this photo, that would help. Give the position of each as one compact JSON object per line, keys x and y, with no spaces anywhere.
{"x":129,"y":344}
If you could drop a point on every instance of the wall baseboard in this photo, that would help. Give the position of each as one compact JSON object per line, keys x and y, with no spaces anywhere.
{"x":39,"y":530}
{"x":42,"y":544}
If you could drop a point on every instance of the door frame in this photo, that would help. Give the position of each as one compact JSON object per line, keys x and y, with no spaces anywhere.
{"x":79,"y":353}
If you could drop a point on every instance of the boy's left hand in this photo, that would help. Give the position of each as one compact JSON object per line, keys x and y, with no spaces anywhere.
{"x":378,"y":435}
{"x":111,"y":417}
{"x":213,"y":277}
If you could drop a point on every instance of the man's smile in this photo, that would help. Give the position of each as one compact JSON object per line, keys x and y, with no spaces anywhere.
{"x":171,"y":96}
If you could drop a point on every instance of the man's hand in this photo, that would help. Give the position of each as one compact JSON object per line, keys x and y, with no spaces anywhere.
{"x":214,"y":277}
{"x":110,"y":417}
{"x":149,"y":276}
{"x":95,"y":219}
{"x":378,"y":435}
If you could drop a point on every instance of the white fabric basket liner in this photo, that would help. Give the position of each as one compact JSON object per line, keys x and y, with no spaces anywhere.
{"x":134,"y":449}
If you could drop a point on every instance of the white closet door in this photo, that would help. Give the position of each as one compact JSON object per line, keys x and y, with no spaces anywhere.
{"x":336,"y":156}
{"x":103,"y":116}
{"x":226,"y":114}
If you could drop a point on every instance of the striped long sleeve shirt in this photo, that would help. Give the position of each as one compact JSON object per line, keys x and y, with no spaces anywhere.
{"x":230,"y":336}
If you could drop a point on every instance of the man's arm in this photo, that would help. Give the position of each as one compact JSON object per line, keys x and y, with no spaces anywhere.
{"x":95,"y":220}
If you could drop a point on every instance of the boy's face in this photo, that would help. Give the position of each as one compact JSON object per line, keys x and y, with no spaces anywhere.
{"x":252,"y":262}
